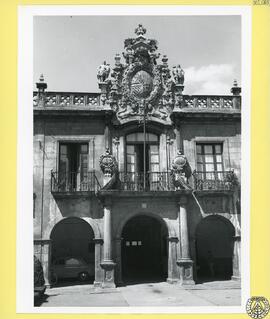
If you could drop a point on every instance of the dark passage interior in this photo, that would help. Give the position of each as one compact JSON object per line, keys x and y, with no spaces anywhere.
{"x":73,"y":249}
{"x":144,"y":250}
{"x":214,"y":248}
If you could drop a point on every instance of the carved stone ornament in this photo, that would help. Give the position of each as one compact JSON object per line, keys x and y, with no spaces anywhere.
{"x":140,"y":87}
{"x":178,"y":74}
{"x":180,"y":171}
{"x":108,"y":163}
{"x":103,"y":72}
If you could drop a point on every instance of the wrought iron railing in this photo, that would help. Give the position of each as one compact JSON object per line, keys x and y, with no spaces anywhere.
{"x":218,"y":180}
{"x":72,"y":182}
{"x":66,"y":182}
{"x":151,"y":181}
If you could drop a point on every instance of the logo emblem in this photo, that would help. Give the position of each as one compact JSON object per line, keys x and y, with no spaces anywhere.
{"x":141,"y":84}
{"x":257,"y":307}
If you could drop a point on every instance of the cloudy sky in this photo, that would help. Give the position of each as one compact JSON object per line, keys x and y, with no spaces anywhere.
{"x":68,"y":49}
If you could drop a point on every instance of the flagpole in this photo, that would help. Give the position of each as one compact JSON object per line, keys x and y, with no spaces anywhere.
{"x":144,"y":146}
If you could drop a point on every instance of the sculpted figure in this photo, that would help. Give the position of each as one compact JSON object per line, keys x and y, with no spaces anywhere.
{"x":103,"y":72}
{"x":180,"y":171}
{"x":128,"y":111}
{"x":178,"y":74}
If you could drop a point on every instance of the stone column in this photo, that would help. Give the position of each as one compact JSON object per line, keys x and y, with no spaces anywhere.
{"x":173,"y":273}
{"x":118,"y":257}
{"x":184,"y":262}
{"x":99,"y":273}
{"x":107,"y":263}
{"x":236,"y":258}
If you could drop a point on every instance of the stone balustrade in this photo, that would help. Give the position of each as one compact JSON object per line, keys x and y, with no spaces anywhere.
{"x":190,"y":102}
{"x":67,"y":99}
{"x":213,"y":102}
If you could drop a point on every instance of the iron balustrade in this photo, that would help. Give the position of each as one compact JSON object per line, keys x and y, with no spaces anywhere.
{"x":65,"y":182}
{"x":154,"y":181}
{"x":218,"y":180}
{"x":70,"y":182}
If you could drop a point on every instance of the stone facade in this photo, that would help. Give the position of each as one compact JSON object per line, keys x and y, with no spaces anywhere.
{"x":140,"y":98}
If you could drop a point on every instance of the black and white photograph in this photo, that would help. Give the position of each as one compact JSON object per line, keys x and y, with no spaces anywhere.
{"x":138,"y":139}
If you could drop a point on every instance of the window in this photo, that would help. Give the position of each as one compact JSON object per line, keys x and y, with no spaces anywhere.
{"x":73,"y":166}
{"x":135,"y":153}
{"x":210,"y":160}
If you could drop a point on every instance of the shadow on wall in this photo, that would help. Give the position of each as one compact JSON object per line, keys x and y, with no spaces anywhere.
{"x":79,"y":207}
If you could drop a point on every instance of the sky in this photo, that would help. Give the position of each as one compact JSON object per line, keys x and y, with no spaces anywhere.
{"x":68,"y":49}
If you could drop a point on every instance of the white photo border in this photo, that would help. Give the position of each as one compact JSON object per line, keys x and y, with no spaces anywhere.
{"x":24,"y":241}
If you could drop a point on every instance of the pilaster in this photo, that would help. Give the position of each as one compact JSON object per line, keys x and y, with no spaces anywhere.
{"x":173,"y":273}
{"x":99,"y":273}
{"x":236,"y":258}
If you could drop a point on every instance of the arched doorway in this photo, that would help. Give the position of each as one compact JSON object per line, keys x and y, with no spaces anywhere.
{"x":144,"y":250}
{"x":73,"y":250}
{"x":214,"y":249}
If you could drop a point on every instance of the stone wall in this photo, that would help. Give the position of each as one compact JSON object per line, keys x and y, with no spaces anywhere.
{"x":228,"y":133}
{"x":47,"y":135}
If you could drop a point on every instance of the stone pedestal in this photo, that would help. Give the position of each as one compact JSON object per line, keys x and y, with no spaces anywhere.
{"x":103,"y":86}
{"x":173,"y":272}
{"x":184,"y":262}
{"x":237,"y":258}
{"x":108,"y":279}
{"x":186,"y":271}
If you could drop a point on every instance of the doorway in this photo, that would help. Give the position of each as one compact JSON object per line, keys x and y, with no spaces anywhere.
{"x":214,"y":249}
{"x":73,"y":166}
{"x":144,"y":250}
{"x":73,"y":251}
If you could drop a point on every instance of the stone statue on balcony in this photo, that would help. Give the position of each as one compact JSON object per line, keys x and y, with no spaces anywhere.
{"x":103,"y":72}
{"x":180,"y":172}
{"x":178,"y":74}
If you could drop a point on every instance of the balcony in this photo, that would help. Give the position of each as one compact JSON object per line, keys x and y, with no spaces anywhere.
{"x":74,"y":182}
{"x":217,"y":181}
{"x":151,"y":181}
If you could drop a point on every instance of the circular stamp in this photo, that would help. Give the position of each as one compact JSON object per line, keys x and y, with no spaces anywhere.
{"x":257,"y":307}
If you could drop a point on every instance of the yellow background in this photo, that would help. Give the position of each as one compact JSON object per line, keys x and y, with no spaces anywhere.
{"x":260,"y":155}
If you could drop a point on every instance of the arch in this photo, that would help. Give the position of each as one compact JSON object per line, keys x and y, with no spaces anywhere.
{"x":72,"y":240}
{"x":222,"y":219}
{"x":214,"y":248}
{"x":144,"y":248}
{"x":88,"y":220}
{"x":170,"y":229}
